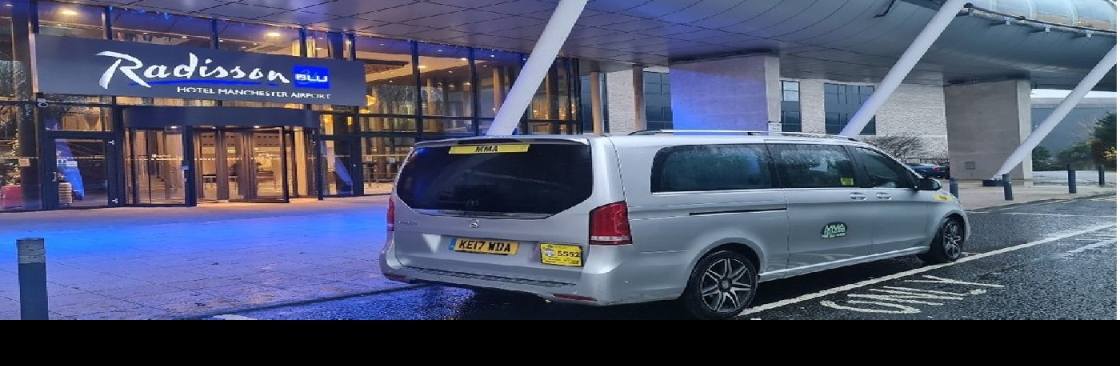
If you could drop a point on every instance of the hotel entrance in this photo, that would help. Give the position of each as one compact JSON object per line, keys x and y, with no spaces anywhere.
{"x":181,"y":156}
{"x":235,"y":164}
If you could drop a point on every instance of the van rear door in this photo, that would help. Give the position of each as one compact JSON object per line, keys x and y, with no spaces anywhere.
{"x":493,"y":206}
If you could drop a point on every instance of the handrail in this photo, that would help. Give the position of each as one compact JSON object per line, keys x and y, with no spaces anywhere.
{"x":746,"y":132}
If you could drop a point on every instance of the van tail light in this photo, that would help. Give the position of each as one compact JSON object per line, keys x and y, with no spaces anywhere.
{"x":610,"y":225}
{"x":390,"y":216}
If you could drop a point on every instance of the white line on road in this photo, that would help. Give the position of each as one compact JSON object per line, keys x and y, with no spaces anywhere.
{"x":775,"y":305}
{"x":1055,"y":215}
{"x":233,"y":317}
{"x":1092,"y":246}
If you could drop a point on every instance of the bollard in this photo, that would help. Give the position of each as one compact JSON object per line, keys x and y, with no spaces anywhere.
{"x":32,"y":279}
{"x":1007,"y":194}
{"x":1100,"y":174}
{"x":1072,"y":179}
{"x":954,"y":188}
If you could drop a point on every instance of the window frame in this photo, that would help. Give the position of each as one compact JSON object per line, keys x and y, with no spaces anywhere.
{"x":785,"y":181}
{"x":864,"y":176}
{"x":657,"y":169}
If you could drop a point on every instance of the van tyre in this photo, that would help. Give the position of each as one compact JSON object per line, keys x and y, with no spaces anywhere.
{"x":722,"y":285}
{"x":947,"y":245}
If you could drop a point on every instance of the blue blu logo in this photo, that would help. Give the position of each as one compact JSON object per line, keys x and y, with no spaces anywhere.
{"x":312,"y":77}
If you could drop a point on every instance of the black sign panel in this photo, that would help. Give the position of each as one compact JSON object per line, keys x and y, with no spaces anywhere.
{"x":67,"y":65}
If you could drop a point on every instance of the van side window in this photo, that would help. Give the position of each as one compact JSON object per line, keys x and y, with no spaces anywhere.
{"x":704,"y":168}
{"x":882,"y":171}
{"x":814,"y":166}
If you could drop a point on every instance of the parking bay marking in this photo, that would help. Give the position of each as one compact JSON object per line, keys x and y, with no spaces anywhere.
{"x":836,"y":290}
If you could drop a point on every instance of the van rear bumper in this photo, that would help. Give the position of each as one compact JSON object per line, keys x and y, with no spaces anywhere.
{"x":613,"y":286}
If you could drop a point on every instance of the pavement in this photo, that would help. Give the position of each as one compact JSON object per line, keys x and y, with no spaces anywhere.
{"x":168,"y":263}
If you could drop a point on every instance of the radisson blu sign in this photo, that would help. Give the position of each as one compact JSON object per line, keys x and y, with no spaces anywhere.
{"x":68,"y":65}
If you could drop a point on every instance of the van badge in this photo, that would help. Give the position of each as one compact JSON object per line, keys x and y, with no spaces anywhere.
{"x":475,"y":224}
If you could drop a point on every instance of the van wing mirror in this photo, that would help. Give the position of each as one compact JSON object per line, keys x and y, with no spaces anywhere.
{"x":929,"y":184}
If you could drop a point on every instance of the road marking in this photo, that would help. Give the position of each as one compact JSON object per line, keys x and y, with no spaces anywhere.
{"x":1055,"y":215}
{"x":1091,"y":247}
{"x":803,"y":298}
{"x":232,"y":317}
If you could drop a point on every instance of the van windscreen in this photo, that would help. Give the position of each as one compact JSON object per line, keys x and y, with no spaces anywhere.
{"x":505,"y":179}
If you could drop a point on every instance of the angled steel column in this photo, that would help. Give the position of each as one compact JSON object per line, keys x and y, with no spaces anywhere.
{"x":544,"y":53}
{"x":1024,"y":151}
{"x":905,"y":64}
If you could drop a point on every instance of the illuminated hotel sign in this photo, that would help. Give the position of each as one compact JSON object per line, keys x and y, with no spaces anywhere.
{"x":67,"y":65}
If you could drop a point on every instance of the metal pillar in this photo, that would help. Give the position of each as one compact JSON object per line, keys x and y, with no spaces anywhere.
{"x":905,"y":64}
{"x":596,"y":102}
{"x":1095,"y":75}
{"x":535,"y":69}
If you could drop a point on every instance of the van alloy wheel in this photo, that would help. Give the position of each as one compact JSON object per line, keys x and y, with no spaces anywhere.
{"x":948,"y":245}
{"x":722,"y":285}
{"x":952,"y":239}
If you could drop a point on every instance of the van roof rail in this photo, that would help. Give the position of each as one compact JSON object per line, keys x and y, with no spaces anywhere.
{"x":748,"y":133}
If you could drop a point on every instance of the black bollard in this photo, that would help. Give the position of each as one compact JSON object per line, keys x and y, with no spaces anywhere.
{"x":1072,"y":179}
{"x":1100,"y":175}
{"x":954,"y":188}
{"x":1007,"y":194}
{"x":32,"y":279}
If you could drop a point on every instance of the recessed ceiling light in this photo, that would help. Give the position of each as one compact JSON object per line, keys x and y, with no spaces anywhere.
{"x":273,"y":34}
{"x":69,"y":12}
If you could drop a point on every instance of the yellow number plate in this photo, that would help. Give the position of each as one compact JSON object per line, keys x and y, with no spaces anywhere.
{"x":562,"y":255}
{"x":481,"y":246}
{"x":488,"y":149}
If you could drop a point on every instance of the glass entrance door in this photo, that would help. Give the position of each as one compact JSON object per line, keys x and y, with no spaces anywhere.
{"x":84,"y":175}
{"x":240,"y":165}
{"x":154,"y":173}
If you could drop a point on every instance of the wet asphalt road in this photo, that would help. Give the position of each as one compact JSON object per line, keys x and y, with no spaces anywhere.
{"x":1037,"y":261}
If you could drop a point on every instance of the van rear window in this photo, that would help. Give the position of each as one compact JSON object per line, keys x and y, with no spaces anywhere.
{"x":541,"y":179}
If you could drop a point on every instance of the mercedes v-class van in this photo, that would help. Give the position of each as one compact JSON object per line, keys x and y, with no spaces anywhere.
{"x":699,"y":217}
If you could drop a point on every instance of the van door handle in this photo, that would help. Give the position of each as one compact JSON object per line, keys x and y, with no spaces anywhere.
{"x":884,"y":196}
{"x":859,"y":197}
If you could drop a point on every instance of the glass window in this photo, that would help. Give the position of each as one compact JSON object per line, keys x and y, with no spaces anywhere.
{"x":160,"y":28}
{"x":711,"y":168}
{"x":390,"y":81}
{"x":814,"y":166}
{"x":63,"y":117}
{"x":445,"y":77}
{"x":328,"y":45}
{"x":389,"y":124}
{"x":497,"y":71}
{"x":458,"y":127}
{"x":258,"y":38}
{"x":791,"y":91}
{"x":382,"y":157}
{"x":545,"y":180}
{"x":842,"y":101}
{"x":11,"y":161}
{"x":659,"y":103}
{"x":13,"y":75}
{"x":791,"y":118}
{"x":72,"y":20}
{"x":884,"y":172}
{"x":553,"y":99}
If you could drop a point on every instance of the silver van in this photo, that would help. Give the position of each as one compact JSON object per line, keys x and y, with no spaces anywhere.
{"x":699,"y":217}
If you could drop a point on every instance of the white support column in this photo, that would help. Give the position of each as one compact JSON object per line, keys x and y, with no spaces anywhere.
{"x":905,"y":64}
{"x":1083,"y":88}
{"x":597,"y":102}
{"x":544,"y":53}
